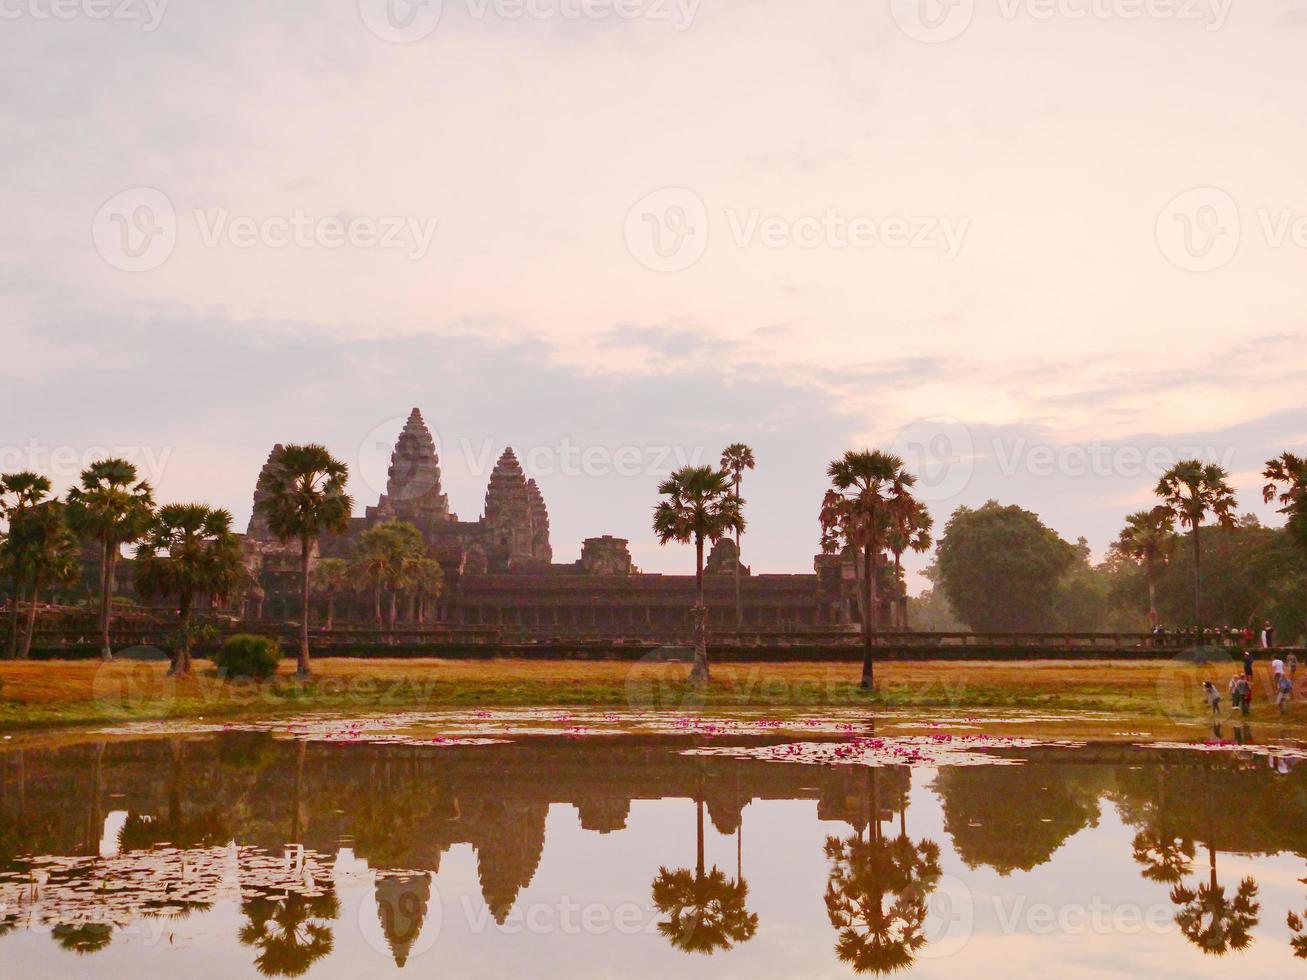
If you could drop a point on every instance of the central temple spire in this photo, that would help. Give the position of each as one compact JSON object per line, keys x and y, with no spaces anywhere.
{"x":413,"y":491}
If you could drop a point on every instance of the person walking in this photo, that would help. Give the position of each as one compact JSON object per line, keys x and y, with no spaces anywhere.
{"x":1248,"y":664}
{"x":1283,"y":692}
{"x":1277,"y":670}
{"x":1243,"y":690}
{"x":1213,"y":697}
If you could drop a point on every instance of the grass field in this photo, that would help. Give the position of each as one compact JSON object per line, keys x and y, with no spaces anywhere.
{"x":54,"y":693}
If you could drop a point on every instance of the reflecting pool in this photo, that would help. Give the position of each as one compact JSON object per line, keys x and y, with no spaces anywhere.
{"x":652,"y":854}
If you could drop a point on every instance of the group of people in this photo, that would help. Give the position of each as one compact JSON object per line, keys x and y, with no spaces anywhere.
{"x":1284,"y":671}
{"x":1225,"y":636}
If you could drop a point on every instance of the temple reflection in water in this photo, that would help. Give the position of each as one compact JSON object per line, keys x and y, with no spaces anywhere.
{"x":108,"y":842}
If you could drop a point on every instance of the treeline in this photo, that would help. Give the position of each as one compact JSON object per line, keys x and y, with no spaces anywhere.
{"x":999,"y":568}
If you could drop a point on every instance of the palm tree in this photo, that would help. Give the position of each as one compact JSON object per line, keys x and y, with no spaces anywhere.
{"x":330,"y":578}
{"x":1190,"y":491}
{"x":910,"y":527}
{"x":866,"y":488}
{"x":428,"y":581}
{"x":1212,"y":922}
{"x":40,"y":550}
{"x":699,"y":507}
{"x":1298,"y":941}
{"x":705,"y":910}
{"x":386,"y":558}
{"x":303,"y":497}
{"x":1286,"y":484}
{"x":113,"y":508}
{"x":736,"y":458}
{"x":291,"y":933}
{"x":189,"y":551}
{"x":18,"y":492}
{"x":1148,"y":538}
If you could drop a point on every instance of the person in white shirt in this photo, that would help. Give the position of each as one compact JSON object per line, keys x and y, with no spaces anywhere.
{"x":1277,"y":668}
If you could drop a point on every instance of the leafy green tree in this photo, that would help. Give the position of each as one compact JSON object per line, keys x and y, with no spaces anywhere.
{"x":302,"y":495}
{"x":1286,"y":484}
{"x":331,"y":577}
{"x":18,"y":492}
{"x":40,"y":550}
{"x":1002,"y":568}
{"x":866,"y":488}
{"x":736,"y":458}
{"x":1191,"y":491}
{"x":705,"y":910}
{"x":1148,"y":539}
{"x":1248,"y":577}
{"x":386,"y":558}
{"x":700,"y":507}
{"x":113,"y":508}
{"x":189,"y":551}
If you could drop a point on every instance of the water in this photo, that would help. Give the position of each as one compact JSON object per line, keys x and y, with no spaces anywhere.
{"x":245,"y":853}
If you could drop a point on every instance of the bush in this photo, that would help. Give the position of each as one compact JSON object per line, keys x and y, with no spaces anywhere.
{"x":248,"y":656}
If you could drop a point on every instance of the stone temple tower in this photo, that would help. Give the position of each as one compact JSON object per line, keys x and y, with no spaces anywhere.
{"x":258,"y":527}
{"x":540,"y":548}
{"x":517,"y":524}
{"x":413,"y":491}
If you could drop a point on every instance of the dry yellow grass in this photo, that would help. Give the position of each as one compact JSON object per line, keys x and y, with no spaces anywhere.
{"x":55,"y":692}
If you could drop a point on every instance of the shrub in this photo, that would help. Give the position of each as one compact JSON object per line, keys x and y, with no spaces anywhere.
{"x":248,"y":656}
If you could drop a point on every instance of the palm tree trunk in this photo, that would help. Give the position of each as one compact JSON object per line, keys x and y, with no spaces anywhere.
{"x":739,"y":604}
{"x":700,"y":618}
{"x":1151,"y":573}
{"x":302,"y":666}
{"x":331,"y":610}
{"x":13,"y":618}
{"x":394,"y":608}
{"x":1198,"y":586}
{"x":699,"y":849}
{"x":901,"y":602}
{"x":182,"y":663}
{"x":31,"y":615}
{"x":869,"y":597}
{"x":106,"y":598}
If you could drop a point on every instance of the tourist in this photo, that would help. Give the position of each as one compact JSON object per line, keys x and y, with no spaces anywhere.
{"x":1268,"y":635}
{"x":1283,"y":693}
{"x":1243,"y":690}
{"x":1277,"y":670}
{"x":1248,"y":664}
{"x":1235,"y":687}
{"x":1292,"y":664}
{"x":1213,"y":697}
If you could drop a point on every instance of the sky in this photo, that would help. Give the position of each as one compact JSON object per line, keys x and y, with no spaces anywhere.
{"x":1040,"y":248}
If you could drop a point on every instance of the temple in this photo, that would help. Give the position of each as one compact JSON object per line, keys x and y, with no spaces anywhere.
{"x":500,"y":573}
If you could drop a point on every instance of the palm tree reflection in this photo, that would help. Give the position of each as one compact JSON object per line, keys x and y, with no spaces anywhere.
{"x":705,"y":911}
{"x":291,"y":933}
{"x":876,"y":898}
{"x":1211,"y":921}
